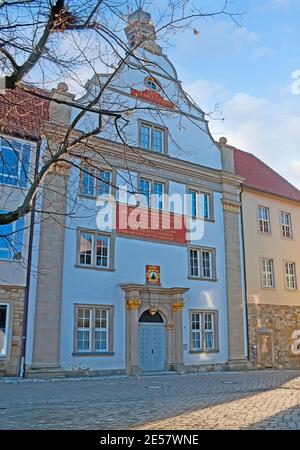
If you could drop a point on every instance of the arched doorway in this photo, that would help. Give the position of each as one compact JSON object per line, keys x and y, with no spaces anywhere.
{"x":152,"y":342}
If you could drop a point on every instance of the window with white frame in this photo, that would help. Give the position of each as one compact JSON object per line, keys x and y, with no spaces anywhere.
{"x":199,"y":204}
{"x":94,"y":250}
{"x":286,"y":224}
{"x":11,"y":240}
{"x":152,"y":193}
{"x":290,"y":275}
{"x":267,"y":272}
{"x":203,"y":326}
{"x":4,"y":316}
{"x":264,"y":220}
{"x":152,"y":137}
{"x":14,"y":162}
{"x":95,"y":182}
{"x":93,"y":325}
{"x":202,"y":263}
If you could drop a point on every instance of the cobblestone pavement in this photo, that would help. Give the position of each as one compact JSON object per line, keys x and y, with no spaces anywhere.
{"x":246,"y":400}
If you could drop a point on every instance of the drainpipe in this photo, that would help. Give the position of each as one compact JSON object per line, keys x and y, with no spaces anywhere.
{"x":245,"y":274}
{"x":28,"y":271}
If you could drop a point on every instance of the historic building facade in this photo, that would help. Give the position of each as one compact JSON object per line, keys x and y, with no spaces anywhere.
{"x":20,"y":120}
{"x":113,"y":294}
{"x":271,"y":218}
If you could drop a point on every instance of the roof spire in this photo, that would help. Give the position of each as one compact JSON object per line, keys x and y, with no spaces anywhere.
{"x":140,"y":31}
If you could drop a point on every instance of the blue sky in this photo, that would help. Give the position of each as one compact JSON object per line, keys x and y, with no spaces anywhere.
{"x":248,"y":71}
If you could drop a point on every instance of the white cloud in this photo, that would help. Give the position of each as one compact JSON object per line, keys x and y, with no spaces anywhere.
{"x":205,"y":93}
{"x":262,"y":53}
{"x":266,"y":127}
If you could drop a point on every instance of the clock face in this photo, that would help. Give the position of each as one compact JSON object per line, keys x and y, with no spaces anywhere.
{"x":152,"y":274}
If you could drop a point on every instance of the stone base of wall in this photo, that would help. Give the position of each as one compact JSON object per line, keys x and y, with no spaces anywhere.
{"x":273,"y":336}
{"x":38,"y":374}
{"x":9,"y":365}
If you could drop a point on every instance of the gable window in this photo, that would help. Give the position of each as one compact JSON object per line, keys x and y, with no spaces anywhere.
{"x":267,"y":272}
{"x":290,"y":275}
{"x":11,"y":240}
{"x":4,"y":314}
{"x":152,"y":84}
{"x":93,"y":329}
{"x":202,"y":263}
{"x":199,"y":204}
{"x":203,"y":326}
{"x":95,"y":182}
{"x":95,"y":250}
{"x":152,"y":137}
{"x":264,"y":220}
{"x":286,"y":225}
{"x":14,"y":162}
{"x":152,"y":192}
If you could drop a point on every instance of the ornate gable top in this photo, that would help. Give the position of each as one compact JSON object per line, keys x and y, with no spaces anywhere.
{"x":140,"y":31}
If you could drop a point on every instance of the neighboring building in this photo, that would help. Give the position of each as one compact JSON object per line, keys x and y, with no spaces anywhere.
{"x":21,"y":117}
{"x":116,"y":300}
{"x":271,"y":224}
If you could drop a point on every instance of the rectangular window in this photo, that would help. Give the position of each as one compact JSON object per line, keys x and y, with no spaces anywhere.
{"x":145,"y":137}
{"x":264,"y":220}
{"x":203,"y":325}
{"x":94,"y":250}
{"x":290,"y":275}
{"x":267,"y":270}
{"x":206,"y":206}
{"x":158,"y":140}
{"x":11,"y":239}
{"x":145,"y":191}
{"x":14,"y":162}
{"x":193,"y":203}
{"x":4,"y":314}
{"x":286,"y":225}
{"x":94,"y":324}
{"x":101,"y":330}
{"x":152,"y":137}
{"x":202,"y":263}
{"x":196,"y":332}
{"x":199,"y":204}
{"x":102,"y":254}
{"x":152,"y":193}
{"x":158,"y":195}
{"x":84,"y":330}
{"x":95,"y":182}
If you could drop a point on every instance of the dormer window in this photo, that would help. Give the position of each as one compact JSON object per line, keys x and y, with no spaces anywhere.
{"x":152,"y":84}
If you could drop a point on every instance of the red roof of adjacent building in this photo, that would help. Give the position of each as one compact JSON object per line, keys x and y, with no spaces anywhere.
{"x":22,"y":113}
{"x":259,"y":175}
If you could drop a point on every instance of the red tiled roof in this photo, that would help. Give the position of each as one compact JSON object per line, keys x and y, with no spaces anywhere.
{"x":259,"y":175}
{"x":22,"y":113}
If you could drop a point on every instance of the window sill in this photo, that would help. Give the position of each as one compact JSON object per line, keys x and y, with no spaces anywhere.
{"x":199,"y":352}
{"x":210,"y":280}
{"x":101,"y":269}
{"x":93,"y":354}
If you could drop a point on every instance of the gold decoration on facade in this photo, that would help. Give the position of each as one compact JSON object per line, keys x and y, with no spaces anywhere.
{"x":152,"y":311}
{"x":169,"y":327}
{"x":133,"y":304}
{"x":178,"y":306}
